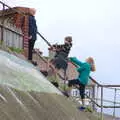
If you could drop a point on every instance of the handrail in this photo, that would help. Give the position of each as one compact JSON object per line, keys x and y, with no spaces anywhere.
{"x":94,"y":81}
{"x":109,"y":101}
{"x":20,"y":12}
{"x":104,"y":106}
{"x":11,"y":30}
{"x":48,"y":43}
{"x":101,"y":85}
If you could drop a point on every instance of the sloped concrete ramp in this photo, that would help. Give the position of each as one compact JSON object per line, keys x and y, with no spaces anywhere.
{"x":19,"y":105}
{"x":25,"y":94}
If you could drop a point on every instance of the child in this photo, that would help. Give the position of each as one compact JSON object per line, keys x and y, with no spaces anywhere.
{"x":61,"y":57}
{"x":62,"y":52}
{"x":83,"y":68}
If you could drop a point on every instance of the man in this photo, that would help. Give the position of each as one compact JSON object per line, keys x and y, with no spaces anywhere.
{"x":32,"y":32}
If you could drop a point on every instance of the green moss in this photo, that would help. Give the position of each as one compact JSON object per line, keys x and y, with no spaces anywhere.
{"x":17,"y":50}
{"x":0,"y":42}
{"x":89,"y":109}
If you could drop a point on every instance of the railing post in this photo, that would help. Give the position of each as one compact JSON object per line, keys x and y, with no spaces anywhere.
{"x":101,"y":102}
{"x":2,"y":28}
{"x":114,"y":102}
{"x":93,"y":96}
{"x":97,"y":90}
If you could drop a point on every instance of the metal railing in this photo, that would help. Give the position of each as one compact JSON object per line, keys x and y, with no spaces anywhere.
{"x":99,"y":100}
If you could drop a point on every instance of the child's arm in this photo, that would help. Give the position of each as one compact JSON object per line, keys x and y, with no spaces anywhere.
{"x":76,"y":61}
{"x":80,"y":69}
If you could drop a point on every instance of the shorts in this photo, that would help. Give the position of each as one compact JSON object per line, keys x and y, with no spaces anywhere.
{"x":81,"y":86}
{"x":60,"y":63}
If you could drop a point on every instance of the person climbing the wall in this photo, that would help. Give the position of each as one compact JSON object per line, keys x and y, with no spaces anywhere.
{"x":83,"y":69}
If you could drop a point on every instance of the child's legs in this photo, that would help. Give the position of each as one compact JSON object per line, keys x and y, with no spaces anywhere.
{"x":82,"y":93}
{"x":55,"y":67}
{"x":72,"y":83}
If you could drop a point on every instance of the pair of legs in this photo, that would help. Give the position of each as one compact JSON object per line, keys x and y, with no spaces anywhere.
{"x":31,"y":46}
{"x":57,"y":64}
{"x":81,"y":88}
{"x":30,"y":52}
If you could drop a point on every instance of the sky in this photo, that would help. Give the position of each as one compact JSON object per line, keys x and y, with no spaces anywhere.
{"x":93,"y":24}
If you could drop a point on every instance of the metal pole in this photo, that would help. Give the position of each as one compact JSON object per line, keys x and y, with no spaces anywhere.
{"x":2,"y":28}
{"x":101,"y":102}
{"x":93,"y":96}
{"x":48,"y":43}
{"x":97,"y":94}
{"x":114,"y":102}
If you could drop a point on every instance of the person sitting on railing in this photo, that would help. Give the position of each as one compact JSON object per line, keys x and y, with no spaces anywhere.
{"x":60,"y":60}
{"x":83,"y":68}
{"x":62,"y":52}
{"x":61,"y":56}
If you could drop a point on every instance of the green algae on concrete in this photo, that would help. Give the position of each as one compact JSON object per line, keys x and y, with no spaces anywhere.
{"x":22,"y":75}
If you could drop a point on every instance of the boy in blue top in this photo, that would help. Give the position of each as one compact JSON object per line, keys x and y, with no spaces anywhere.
{"x":83,"y":68}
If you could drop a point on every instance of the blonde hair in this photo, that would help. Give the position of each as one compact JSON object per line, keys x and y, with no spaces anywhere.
{"x":92,"y":63}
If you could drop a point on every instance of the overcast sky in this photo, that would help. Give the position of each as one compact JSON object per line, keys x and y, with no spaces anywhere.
{"x":93,"y":24}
